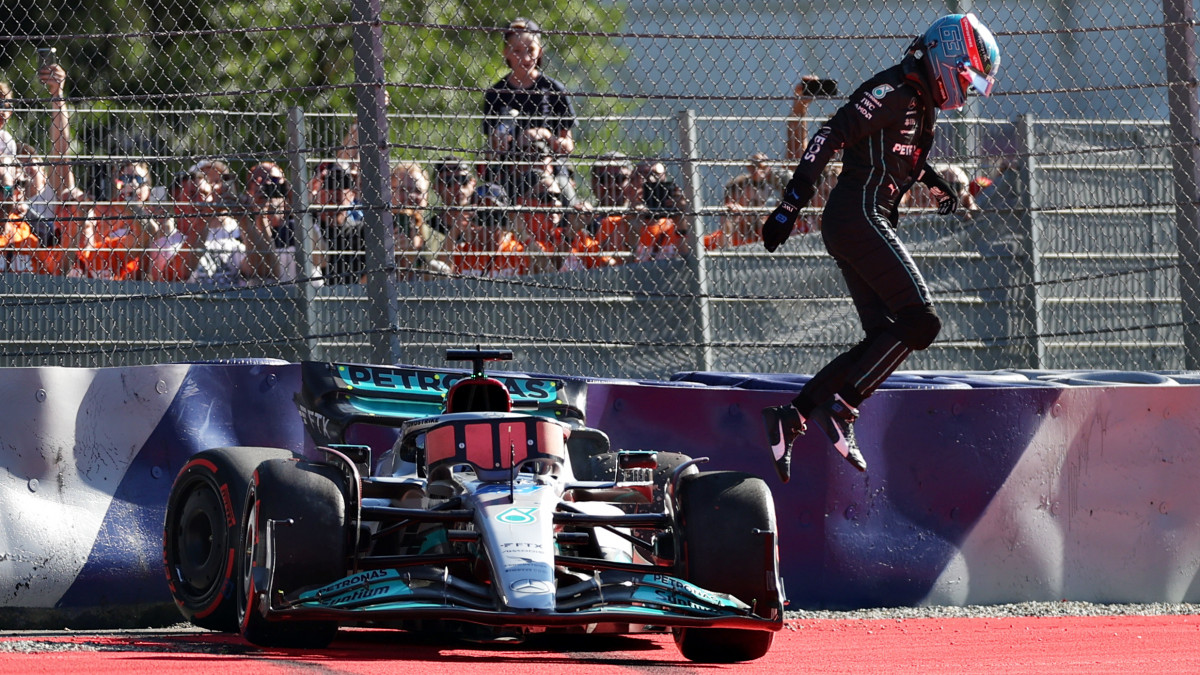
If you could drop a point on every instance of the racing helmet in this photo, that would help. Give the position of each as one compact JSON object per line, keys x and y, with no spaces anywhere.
{"x":960,"y":55}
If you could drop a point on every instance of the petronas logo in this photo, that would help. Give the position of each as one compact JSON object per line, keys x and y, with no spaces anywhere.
{"x":518,"y":516}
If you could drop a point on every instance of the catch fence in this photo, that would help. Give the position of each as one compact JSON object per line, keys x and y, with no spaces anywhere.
{"x":1069,"y":257}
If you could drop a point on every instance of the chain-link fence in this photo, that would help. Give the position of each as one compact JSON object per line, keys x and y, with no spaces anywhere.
{"x":345,"y":180}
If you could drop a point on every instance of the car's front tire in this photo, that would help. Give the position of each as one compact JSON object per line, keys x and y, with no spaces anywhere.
{"x":306,"y":502}
{"x":722,"y":520}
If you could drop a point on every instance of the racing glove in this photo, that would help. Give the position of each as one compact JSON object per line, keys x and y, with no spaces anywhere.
{"x":939,"y":188}
{"x":779,"y":224}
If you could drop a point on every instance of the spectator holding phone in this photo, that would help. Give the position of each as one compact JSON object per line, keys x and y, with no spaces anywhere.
{"x":662,"y":207}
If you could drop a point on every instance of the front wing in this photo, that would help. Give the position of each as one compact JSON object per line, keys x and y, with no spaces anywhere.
{"x":609,"y":596}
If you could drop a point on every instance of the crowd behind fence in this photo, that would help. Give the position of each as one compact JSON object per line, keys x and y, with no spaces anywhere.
{"x":622,"y":244}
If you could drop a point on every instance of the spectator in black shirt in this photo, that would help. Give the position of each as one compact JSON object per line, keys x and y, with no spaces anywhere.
{"x":526,"y":111}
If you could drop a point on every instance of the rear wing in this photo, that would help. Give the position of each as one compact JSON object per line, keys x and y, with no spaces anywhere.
{"x":334,"y":396}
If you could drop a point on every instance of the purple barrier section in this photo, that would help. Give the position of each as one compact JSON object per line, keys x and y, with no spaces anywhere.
{"x":939,"y":517}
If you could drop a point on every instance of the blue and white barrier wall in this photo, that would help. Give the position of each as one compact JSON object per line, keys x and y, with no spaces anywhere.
{"x":982,"y":487}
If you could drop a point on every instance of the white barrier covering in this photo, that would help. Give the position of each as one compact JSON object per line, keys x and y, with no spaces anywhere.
{"x":68,"y":438}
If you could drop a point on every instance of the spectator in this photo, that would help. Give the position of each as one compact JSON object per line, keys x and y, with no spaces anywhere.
{"x":745,"y":195}
{"x":267,"y":199}
{"x":583,"y":249}
{"x":424,"y":248}
{"x":526,"y":110}
{"x":220,"y":177}
{"x":492,"y":204}
{"x":748,"y":193}
{"x":205,"y":245}
{"x":8,"y":145}
{"x":541,"y":201}
{"x":647,"y":171}
{"x":75,"y":229}
{"x":486,"y":250}
{"x":41,"y":194}
{"x":662,"y":211}
{"x":612,"y":226}
{"x":125,"y":226}
{"x":538,"y":226}
{"x":68,"y":245}
{"x":46,"y":180}
{"x":17,"y":241}
{"x":341,"y":225}
{"x":454,"y":184}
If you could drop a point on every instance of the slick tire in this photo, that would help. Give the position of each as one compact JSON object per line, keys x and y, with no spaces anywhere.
{"x":201,"y":530}
{"x":307,"y":504}
{"x":721,"y":518}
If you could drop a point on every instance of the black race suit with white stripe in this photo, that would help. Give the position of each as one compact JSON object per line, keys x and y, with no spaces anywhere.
{"x":884,"y":131}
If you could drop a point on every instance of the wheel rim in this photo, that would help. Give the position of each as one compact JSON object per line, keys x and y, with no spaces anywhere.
{"x":201,"y":546}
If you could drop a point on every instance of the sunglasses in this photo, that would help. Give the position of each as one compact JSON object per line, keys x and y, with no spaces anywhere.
{"x":131,"y":178}
{"x":456,"y":179}
{"x":610,"y":177}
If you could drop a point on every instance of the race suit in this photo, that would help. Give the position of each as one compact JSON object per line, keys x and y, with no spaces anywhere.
{"x":885,"y":130}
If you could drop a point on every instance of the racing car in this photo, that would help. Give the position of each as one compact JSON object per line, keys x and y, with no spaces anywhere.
{"x":472,"y":503}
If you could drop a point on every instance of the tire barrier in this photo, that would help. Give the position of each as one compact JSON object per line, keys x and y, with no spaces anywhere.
{"x":994,"y":487}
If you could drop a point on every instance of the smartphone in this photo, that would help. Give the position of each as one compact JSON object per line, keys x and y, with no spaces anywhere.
{"x":46,"y":56}
{"x":820,"y":87}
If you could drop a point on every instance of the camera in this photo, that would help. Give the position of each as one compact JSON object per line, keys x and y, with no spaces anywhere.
{"x":46,"y":56}
{"x":275,"y":189}
{"x":659,"y":195}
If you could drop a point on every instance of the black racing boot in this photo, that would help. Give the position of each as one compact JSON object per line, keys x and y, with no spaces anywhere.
{"x":784,"y":425}
{"x":835,"y":417}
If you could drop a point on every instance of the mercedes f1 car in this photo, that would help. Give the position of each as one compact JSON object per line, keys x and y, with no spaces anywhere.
{"x":468,"y":502}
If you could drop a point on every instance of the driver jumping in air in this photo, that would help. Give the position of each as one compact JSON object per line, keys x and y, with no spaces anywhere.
{"x":886,"y":129}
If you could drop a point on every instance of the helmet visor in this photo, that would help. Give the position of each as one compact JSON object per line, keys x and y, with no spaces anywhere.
{"x":973,"y":80}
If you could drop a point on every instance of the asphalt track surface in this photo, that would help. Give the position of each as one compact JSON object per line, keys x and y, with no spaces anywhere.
{"x":1088,"y":644}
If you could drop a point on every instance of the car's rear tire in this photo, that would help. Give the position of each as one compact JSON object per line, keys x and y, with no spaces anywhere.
{"x":201,"y":530}
{"x":720,"y":550}
{"x":308,"y":551}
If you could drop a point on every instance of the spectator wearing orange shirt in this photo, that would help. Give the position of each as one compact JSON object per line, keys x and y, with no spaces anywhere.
{"x":69,"y":250}
{"x":486,"y":250}
{"x":124,"y":226}
{"x":585,"y":251}
{"x":17,"y":241}
{"x":662,"y":211}
{"x":612,"y":225}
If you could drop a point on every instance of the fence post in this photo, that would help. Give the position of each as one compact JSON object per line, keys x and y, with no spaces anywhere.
{"x":1031,"y":225}
{"x":374,"y":175}
{"x":306,"y":237}
{"x":697,"y":260}
{"x":1184,"y":111}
